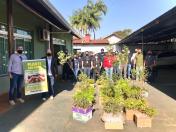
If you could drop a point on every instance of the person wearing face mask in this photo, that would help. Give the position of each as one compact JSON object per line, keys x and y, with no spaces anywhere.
{"x":52,"y":73}
{"x":16,"y":74}
{"x":149,"y":64}
{"x":108,"y":64}
{"x":66,"y":68}
{"x":97,"y":64}
{"x":75,"y":65}
{"x":101,"y":56}
{"x":87,"y":64}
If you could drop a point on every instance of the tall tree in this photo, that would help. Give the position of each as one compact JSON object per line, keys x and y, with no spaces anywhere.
{"x":123,"y":33}
{"x":88,"y":18}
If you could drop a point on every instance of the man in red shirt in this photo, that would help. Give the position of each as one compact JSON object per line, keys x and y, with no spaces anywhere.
{"x":108,"y":64}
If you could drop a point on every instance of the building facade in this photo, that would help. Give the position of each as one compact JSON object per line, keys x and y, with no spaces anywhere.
{"x":35,"y":25}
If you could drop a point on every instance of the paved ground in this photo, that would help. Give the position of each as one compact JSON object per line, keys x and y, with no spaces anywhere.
{"x":55,"y":115}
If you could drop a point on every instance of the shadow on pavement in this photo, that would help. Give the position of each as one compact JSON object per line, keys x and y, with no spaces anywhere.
{"x":166,"y":82}
{"x":14,"y":115}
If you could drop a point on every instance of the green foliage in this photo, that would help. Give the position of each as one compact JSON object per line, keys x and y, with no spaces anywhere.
{"x":83,"y":77}
{"x":115,"y":77}
{"x":122,"y":84}
{"x":84,"y":95}
{"x":149,"y":111}
{"x":144,"y":74}
{"x":133,"y":73}
{"x":134,"y":104}
{"x":88,"y":18}
{"x":112,"y":97}
{"x":91,"y":81}
{"x":133,"y":92}
{"x":113,"y":105}
{"x":63,"y":58}
{"x":108,"y":89}
{"x":124,"y":33}
{"x":103,"y":78}
{"x":84,"y":98}
{"x":109,"y":48}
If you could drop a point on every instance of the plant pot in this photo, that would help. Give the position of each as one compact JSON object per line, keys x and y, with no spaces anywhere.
{"x":129,"y":114}
{"x":113,"y":121}
{"x":142,"y":120}
{"x":114,"y":125}
{"x":82,"y":115}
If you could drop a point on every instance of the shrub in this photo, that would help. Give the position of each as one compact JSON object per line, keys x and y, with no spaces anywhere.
{"x":113,"y":105}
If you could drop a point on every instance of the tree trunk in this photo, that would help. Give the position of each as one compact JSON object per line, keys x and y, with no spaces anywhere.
{"x":94,"y":34}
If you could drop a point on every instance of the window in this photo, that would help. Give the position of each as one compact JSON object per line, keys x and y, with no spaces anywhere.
{"x":27,"y":46}
{"x":3,"y":55}
{"x":22,"y":38}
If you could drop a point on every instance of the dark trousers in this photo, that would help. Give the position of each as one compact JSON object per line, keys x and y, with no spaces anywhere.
{"x":50,"y":87}
{"x":152,"y":74}
{"x":66,"y":71}
{"x":16,"y":83}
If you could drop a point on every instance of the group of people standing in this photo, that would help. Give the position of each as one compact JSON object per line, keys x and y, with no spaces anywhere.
{"x":119,"y":63}
{"x":88,"y":63}
{"x":93,"y":65}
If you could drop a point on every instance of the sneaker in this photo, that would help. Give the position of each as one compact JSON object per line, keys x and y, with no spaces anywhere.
{"x":12,"y":102}
{"x":51,"y":97}
{"x":43,"y":99}
{"x":20,"y":100}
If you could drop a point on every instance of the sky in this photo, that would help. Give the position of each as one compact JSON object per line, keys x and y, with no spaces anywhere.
{"x":122,"y":14}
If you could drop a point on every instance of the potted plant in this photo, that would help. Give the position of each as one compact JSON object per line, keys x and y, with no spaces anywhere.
{"x":131,"y":107}
{"x":113,"y":113}
{"x":143,"y":118}
{"x":83,"y":100}
{"x":112,"y":106}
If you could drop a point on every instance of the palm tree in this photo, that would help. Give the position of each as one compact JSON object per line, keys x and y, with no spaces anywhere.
{"x":88,"y":19}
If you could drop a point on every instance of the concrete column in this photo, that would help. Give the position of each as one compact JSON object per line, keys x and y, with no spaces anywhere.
{"x":9,"y":5}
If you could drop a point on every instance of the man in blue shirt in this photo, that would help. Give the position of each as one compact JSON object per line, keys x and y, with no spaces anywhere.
{"x":15,"y":70}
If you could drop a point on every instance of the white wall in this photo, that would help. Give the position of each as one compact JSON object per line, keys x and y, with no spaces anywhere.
{"x":94,"y":48}
{"x":113,"y":40}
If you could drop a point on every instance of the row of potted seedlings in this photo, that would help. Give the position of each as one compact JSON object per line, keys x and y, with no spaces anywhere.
{"x":83,"y":99}
{"x":122,"y":101}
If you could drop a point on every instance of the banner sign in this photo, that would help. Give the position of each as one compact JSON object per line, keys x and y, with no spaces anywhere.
{"x":35,"y":77}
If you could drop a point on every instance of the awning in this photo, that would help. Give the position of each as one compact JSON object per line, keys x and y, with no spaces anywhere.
{"x":160,"y":29}
{"x":46,"y":10}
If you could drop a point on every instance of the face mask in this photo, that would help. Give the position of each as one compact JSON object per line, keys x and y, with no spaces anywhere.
{"x":19,"y":51}
{"x":48,"y":54}
{"x":86,"y":54}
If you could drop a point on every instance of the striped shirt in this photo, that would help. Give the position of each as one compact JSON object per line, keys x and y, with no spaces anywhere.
{"x":15,"y":63}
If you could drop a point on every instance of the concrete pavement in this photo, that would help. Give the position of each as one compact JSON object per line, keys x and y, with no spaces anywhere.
{"x":56,"y":116}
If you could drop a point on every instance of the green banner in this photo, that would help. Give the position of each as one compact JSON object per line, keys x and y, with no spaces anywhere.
{"x":35,"y":76}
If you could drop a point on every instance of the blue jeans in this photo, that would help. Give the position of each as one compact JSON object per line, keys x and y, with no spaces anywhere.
{"x":16,"y":83}
{"x":109,"y":72}
{"x":76,"y":72}
{"x":129,"y":70}
{"x":50,"y":86}
{"x":116,"y":69}
{"x":87,"y":71}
